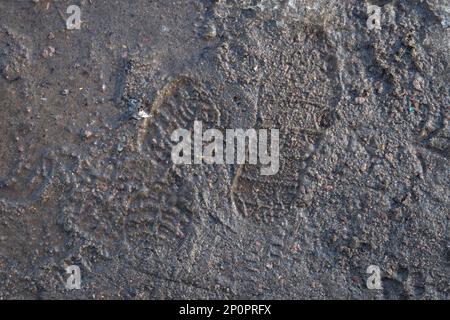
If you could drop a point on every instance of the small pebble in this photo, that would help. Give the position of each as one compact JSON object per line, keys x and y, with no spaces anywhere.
{"x":210,"y":32}
{"x":87,"y":134}
{"x":418,"y":83}
{"x":360,"y":100}
{"x":48,"y":52}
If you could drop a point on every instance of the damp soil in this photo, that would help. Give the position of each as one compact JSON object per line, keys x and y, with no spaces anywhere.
{"x":364,"y":149}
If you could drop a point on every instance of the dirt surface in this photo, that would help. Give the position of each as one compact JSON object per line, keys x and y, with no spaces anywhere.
{"x":364,"y":149}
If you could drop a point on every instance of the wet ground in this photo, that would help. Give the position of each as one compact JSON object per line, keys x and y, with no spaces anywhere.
{"x":364,"y":149}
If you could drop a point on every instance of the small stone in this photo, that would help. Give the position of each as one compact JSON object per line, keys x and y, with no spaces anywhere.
{"x":87,"y":134}
{"x":48,"y":52}
{"x":295,"y":248}
{"x":379,"y":86}
{"x":210,"y":32}
{"x":65,"y":92}
{"x":360,"y":100}
{"x":143,"y":115}
{"x":51,"y":36}
{"x":418,"y":83}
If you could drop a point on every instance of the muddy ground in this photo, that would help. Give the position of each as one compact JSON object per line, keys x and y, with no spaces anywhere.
{"x":364,"y":149}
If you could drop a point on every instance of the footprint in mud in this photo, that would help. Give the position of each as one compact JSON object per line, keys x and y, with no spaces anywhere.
{"x":149,"y":204}
{"x":160,"y":210}
{"x":299,"y":97}
{"x":30,"y":178}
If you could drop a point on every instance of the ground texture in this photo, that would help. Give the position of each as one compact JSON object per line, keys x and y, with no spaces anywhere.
{"x":364,"y":138}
